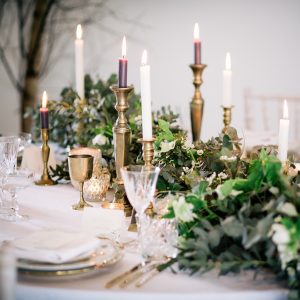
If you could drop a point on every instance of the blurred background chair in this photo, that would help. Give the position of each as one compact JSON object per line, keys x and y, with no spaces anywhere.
{"x":262,"y":114}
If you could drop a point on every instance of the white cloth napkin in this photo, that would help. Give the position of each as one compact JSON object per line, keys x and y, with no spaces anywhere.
{"x":55,"y":246}
{"x":32,"y":158}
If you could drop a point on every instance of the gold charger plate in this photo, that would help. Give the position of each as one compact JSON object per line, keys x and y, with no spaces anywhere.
{"x":107,"y":254}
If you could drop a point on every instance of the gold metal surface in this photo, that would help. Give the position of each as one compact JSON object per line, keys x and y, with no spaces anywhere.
{"x":197,"y":103}
{"x":45,"y":178}
{"x":148,"y":151}
{"x":122,"y":139}
{"x":81,"y":169}
{"x":227,"y":116}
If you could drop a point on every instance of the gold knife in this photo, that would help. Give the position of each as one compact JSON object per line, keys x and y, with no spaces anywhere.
{"x":120,"y":277}
{"x":136,"y":275}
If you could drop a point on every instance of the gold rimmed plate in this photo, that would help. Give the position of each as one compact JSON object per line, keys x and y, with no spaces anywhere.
{"x":107,"y":254}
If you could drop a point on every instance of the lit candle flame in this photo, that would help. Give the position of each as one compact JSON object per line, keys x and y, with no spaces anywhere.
{"x":124,"y":46}
{"x":44,"y":99}
{"x":79,"y":32}
{"x":228,"y":61}
{"x":285,"y":110}
{"x":196,"y":31}
{"x":144,"y":57}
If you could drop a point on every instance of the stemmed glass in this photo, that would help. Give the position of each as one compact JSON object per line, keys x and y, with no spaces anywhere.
{"x":16,"y":181}
{"x":8,"y":158}
{"x":140,"y":184}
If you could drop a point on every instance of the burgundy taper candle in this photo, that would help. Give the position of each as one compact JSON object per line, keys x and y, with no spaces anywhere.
{"x":197,"y":46}
{"x":123,"y":62}
{"x":44,"y":112}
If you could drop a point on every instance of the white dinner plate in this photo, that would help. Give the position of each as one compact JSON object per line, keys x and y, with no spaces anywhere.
{"x":107,"y":254}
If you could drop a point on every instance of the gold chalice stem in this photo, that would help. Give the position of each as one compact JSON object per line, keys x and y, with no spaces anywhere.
{"x":82,"y":203}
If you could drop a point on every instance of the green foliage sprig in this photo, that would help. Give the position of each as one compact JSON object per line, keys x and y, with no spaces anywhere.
{"x":250,"y":222}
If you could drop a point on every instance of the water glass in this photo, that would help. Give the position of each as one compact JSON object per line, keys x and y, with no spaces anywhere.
{"x":158,"y":238}
{"x":16,"y":181}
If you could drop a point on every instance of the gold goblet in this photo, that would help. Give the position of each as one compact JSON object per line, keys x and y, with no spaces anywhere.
{"x":81,"y":170}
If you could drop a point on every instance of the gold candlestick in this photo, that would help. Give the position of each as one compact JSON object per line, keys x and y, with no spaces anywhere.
{"x":197,"y":103}
{"x":227,"y":116}
{"x":148,"y":151}
{"x":148,"y":155}
{"x":45,"y":178}
{"x":122,"y":139}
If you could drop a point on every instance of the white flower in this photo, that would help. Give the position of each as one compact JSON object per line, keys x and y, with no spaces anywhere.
{"x":186,"y":170}
{"x":222,"y":175}
{"x":76,"y":102}
{"x":138,"y":120}
{"x":281,"y":238}
{"x":100,"y":140}
{"x":167,"y":146}
{"x":280,"y":234}
{"x":211,"y":178}
{"x":200,"y":152}
{"x":188,"y":145}
{"x":288,"y":209}
{"x":226,"y":158}
{"x":183,"y":211}
{"x":274,"y":190}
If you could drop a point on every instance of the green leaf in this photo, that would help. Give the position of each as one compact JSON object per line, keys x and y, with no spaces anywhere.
{"x":214,"y":237}
{"x":232,"y":227}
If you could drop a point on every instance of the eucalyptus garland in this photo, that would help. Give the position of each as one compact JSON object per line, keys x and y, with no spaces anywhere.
{"x":243,"y":223}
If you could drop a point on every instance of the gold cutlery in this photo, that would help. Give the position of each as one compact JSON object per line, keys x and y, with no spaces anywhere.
{"x":147,"y":277}
{"x":136,"y":275}
{"x":123,"y":276}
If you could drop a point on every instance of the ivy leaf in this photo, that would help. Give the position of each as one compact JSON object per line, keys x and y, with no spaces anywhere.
{"x":200,"y":189}
{"x":227,"y":142}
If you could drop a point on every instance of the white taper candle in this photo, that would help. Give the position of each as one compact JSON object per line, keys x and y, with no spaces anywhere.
{"x":146,"y":98}
{"x":283,"y":138}
{"x":79,"y":72}
{"x":227,"y":75}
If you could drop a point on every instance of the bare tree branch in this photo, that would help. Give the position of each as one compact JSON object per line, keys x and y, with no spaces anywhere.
{"x":21,"y":28}
{"x":9,"y":71}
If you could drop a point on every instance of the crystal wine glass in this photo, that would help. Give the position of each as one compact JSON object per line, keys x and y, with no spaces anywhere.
{"x":140,"y":184}
{"x":8,"y":158}
{"x":16,"y":181}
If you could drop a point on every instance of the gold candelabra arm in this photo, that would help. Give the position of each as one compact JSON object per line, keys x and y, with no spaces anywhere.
{"x":197,"y":103}
{"x":45,"y":178}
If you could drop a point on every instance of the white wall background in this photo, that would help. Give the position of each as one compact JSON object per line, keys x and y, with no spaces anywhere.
{"x":263,"y":37}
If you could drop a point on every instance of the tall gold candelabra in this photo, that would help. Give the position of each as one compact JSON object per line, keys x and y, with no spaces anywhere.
{"x":45,"y":178}
{"x":122,"y":139}
{"x":197,"y":103}
{"x":227,"y":116}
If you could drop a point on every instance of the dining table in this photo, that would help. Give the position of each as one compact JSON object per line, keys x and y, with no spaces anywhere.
{"x":50,"y":207}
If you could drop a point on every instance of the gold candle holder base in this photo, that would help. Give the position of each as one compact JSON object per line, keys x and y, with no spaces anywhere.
{"x":227,"y":116}
{"x":112,"y":205}
{"x":197,"y":103}
{"x":148,"y":151}
{"x":122,"y":139}
{"x":45,"y":178}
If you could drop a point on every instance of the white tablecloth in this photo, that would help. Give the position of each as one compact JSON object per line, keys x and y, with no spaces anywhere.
{"x":50,"y":207}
